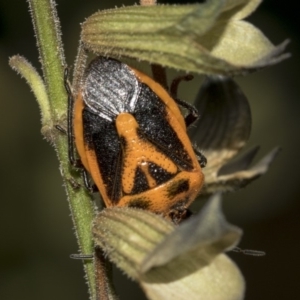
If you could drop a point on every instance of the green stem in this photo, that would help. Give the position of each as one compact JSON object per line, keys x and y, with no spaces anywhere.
{"x":48,"y":34}
{"x":47,"y":29}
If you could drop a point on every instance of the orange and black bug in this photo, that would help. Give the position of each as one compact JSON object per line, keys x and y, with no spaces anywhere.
{"x":131,"y":138}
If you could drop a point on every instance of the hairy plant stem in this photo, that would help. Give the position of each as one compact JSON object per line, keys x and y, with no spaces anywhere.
{"x":48,"y":34}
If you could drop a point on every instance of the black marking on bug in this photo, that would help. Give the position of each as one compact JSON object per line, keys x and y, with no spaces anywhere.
{"x":150,"y":113}
{"x":178,"y":187}
{"x":101,"y":137}
{"x":140,"y":182}
{"x":142,"y":203}
{"x":159,"y":174}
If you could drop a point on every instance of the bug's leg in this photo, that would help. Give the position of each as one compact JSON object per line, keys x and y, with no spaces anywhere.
{"x":176,"y":81}
{"x":200,"y":157}
{"x":61,"y":129}
{"x":179,"y":215}
{"x":192,"y":116}
{"x":71,"y":151}
{"x":82,"y":256}
{"x":92,"y":188}
{"x":193,"y":112}
{"x":159,"y":75}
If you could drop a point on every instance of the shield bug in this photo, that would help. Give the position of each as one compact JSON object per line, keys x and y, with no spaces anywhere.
{"x":131,"y":138}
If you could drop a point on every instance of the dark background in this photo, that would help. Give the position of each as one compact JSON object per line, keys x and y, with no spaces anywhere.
{"x":36,"y":234}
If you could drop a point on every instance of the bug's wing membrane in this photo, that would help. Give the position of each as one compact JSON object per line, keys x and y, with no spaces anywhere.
{"x":154,"y":125}
{"x":102,"y":139}
{"x":112,"y":88}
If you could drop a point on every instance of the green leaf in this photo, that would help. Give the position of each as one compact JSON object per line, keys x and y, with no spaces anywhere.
{"x":204,"y":38}
{"x":184,"y":262}
{"x":222,"y":132}
{"x":36,"y":83}
{"x":220,"y":280}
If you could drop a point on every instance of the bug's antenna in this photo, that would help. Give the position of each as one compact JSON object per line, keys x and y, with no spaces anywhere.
{"x":249,"y":251}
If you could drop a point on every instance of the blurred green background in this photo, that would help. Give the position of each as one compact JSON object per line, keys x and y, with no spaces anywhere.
{"x":36,"y":229}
